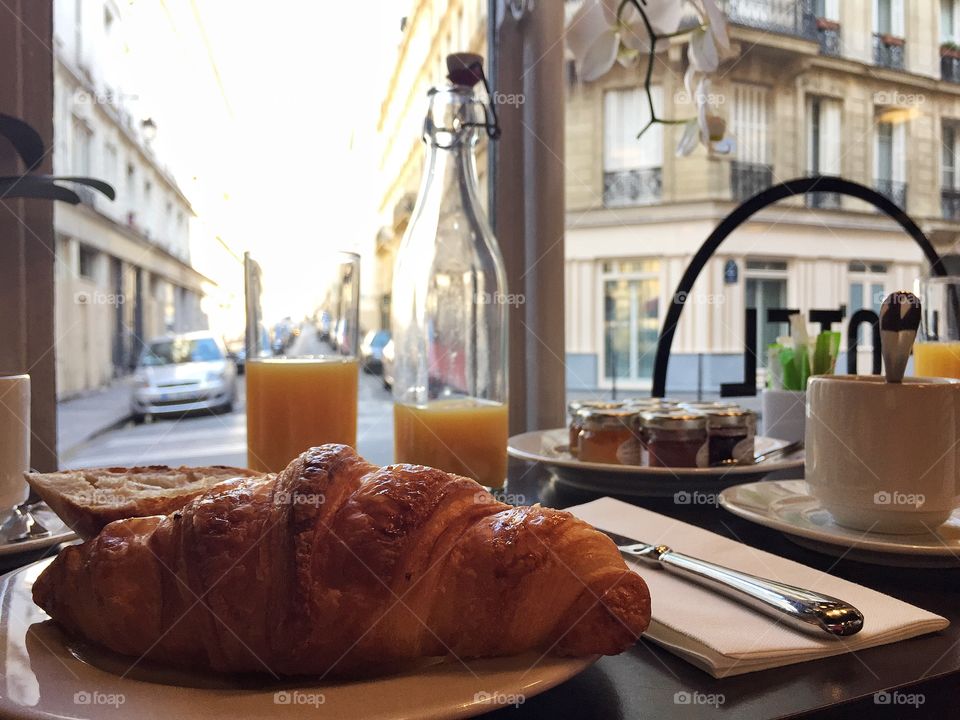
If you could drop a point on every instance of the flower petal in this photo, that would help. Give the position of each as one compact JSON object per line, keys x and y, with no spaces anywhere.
{"x":690,"y":138}
{"x":592,"y":40}
{"x":703,"y":52}
{"x":718,"y":23}
{"x":600,"y":57}
{"x":664,"y":15}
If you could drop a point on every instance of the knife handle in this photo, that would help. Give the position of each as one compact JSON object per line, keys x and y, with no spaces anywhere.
{"x":803,"y":609}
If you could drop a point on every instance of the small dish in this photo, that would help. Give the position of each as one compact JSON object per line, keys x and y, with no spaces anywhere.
{"x":549,"y":447}
{"x":59,"y":533}
{"x":788,"y":506}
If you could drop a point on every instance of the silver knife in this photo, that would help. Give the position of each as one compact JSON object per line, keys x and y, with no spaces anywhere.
{"x":802,"y":609}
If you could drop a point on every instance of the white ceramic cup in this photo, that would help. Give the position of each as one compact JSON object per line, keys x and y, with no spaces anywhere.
{"x":14,"y":440}
{"x":884,"y":457}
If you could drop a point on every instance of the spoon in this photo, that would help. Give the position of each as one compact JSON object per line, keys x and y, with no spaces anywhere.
{"x":899,"y":321}
{"x":21,"y":525}
{"x":763,"y":457}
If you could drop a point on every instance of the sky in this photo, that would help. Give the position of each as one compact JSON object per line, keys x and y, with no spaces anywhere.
{"x":266,"y":114}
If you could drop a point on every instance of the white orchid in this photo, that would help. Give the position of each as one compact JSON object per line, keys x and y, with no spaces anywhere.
{"x":601,"y":32}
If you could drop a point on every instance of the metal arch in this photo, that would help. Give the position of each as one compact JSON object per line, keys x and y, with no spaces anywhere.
{"x":798,"y":186}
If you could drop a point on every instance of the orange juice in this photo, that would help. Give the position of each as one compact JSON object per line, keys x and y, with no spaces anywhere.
{"x":936,"y":359}
{"x":463,"y":436}
{"x":295,"y":404}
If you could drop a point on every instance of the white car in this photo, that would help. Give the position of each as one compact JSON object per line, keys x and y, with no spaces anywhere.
{"x":183,"y":373}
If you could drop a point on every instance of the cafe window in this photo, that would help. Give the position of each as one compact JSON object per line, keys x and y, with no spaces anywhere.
{"x":868,"y":283}
{"x":631,"y":319}
{"x":766,"y":288}
{"x":631,"y":166}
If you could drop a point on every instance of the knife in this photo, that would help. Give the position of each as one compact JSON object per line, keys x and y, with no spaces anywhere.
{"x":802,"y":609}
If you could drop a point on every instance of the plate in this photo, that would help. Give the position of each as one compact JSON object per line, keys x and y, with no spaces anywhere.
{"x":47,"y":676}
{"x":58,"y":533}
{"x":788,"y":506}
{"x":550,"y":448}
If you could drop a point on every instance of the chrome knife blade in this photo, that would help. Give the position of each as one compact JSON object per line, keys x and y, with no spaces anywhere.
{"x":802,"y":609}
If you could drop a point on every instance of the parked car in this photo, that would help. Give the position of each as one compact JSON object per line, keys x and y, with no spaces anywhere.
{"x":371,"y":351}
{"x":387,"y":360}
{"x":183,"y":373}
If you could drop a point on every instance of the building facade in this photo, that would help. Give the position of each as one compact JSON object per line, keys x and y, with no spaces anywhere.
{"x":123,"y":271}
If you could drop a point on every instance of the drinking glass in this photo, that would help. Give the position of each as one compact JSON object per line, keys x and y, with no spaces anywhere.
{"x":302,"y":360}
{"x":937,"y":350}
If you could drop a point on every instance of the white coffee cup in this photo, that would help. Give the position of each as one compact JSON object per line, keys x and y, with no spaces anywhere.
{"x":14,"y":440}
{"x":884,"y":457}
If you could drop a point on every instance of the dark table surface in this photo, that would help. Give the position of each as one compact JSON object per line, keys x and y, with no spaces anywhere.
{"x":921,"y":676}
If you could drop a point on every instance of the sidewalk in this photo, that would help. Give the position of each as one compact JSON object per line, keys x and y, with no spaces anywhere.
{"x":82,"y":417}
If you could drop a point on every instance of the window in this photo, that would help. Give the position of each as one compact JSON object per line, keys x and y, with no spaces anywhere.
{"x":949,"y":17}
{"x":110,"y":160}
{"x":631,"y":315}
{"x":823,"y":147}
{"x":888,"y":17}
{"x":827,"y":9}
{"x":867,"y":290}
{"x":766,"y":288}
{"x":631,"y":166}
{"x":82,"y":138}
{"x":951,"y":179}
{"x":750,"y":123}
{"x":88,"y":262}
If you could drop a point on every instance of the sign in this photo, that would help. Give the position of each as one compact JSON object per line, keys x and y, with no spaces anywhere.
{"x":731,"y":273}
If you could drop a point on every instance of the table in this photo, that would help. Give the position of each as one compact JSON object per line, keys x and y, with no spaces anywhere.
{"x":644,"y":682}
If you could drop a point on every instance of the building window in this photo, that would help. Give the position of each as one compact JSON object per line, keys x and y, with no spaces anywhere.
{"x":888,"y":33}
{"x":631,"y":315}
{"x":766,"y":289}
{"x":631,"y":166}
{"x":88,"y":262}
{"x":823,"y":147}
{"x":751,"y":171}
{"x":889,"y":161}
{"x":950,"y":171}
{"x":82,"y":138}
{"x":867,"y":290}
{"x":949,"y":17}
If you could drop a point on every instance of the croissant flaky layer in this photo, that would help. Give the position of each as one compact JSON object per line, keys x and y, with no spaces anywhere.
{"x":339,"y":566}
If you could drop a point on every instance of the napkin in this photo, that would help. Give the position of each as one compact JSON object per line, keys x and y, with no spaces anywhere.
{"x":726,"y":638}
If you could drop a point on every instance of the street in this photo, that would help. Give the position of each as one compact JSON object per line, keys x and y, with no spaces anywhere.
{"x":222,"y":439}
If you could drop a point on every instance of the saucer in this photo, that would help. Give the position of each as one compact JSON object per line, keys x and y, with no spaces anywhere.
{"x":788,"y":506}
{"x":59,"y":533}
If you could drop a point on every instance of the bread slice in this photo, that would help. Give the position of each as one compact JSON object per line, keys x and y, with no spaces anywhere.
{"x":87,"y":500}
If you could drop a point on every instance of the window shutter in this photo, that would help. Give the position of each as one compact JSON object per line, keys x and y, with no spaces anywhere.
{"x":830,"y":137}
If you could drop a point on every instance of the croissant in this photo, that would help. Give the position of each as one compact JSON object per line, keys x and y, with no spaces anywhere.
{"x":338,"y":566}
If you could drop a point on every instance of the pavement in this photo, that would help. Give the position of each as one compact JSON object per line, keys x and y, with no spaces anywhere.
{"x":84,"y":417}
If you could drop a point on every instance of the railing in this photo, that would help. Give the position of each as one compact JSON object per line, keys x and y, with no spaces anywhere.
{"x":950,"y":68}
{"x":950,"y":203}
{"x":632,"y":187}
{"x":787,"y":17}
{"x":747,"y":179}
{"x":888,"y":51}
{"x":828,"y":35}
{"x":894,"y":190}
{"x":823,"y":200}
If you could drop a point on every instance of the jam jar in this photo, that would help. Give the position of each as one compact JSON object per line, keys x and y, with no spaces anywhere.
{"x":577,"y":410}
{"x":675,"y":438}
{"x":607,"y":436}
{"x":731,"y":435}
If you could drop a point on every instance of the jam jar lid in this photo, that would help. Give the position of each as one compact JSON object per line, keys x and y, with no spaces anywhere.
{"x":731,"y":417}
{"x":608,"y":417}
{"x":674,"y":420}
{"x":709,"y":407}
{"x":588,"y":405}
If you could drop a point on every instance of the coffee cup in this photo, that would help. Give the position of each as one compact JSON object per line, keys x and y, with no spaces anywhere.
{"x":14,"y":440}
{"x":884,"y":457}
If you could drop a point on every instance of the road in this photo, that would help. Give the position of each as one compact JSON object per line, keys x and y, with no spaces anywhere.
{"x":222,"y":439}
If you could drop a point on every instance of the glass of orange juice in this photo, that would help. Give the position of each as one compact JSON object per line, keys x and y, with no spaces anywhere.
{"x":302,"y":361}
{"x":937,"y":351}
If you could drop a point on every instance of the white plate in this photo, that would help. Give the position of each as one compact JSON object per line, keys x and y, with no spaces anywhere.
{"x":58,"y":533}
{"x":787,"y":506}
{"x":45,"y":677}
{"x":550,"y":448}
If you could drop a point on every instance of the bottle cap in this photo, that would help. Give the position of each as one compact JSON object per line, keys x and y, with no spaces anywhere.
{"x":465,"y":69}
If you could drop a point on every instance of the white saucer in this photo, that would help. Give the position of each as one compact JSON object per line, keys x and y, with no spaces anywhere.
{"x":787,"y":506}
{"x":58,"y":533}
{"x":549,"y":447}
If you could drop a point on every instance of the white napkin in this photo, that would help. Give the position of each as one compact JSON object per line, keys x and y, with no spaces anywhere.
{"x":725,"y":638}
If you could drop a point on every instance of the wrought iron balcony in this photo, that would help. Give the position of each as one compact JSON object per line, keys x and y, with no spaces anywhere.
{"x":787,"y":17}
{"x":823,"y":200}
{"x":888,"y":51}
{"x":747,"y":179}
{"x":828,"y":35}
{"x":950,"y":68}
{"x":895,"y":190}
{"x":950,"y":203}
{"x":632,"y":187}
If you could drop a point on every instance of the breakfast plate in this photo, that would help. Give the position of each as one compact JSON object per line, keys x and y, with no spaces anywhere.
{"x":59,"y":533}
{"x":788,"y":506}
{"x":48,"y":675}
{"x":549,"y":447}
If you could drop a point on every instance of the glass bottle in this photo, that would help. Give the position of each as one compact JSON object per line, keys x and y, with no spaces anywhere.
{"x":449,"y":304}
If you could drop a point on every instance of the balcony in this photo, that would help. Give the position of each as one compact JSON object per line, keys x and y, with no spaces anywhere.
{"x":622,"y":188}
{"x":888,"y":51}
{"x":823,"y":200}
{"x":950,"y":203}
{"x":786,"y":17}
{"x":950,"y":63}
{"x":828,"y":35}
{"x":894,"y":190}
{"x":747,"y":179}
